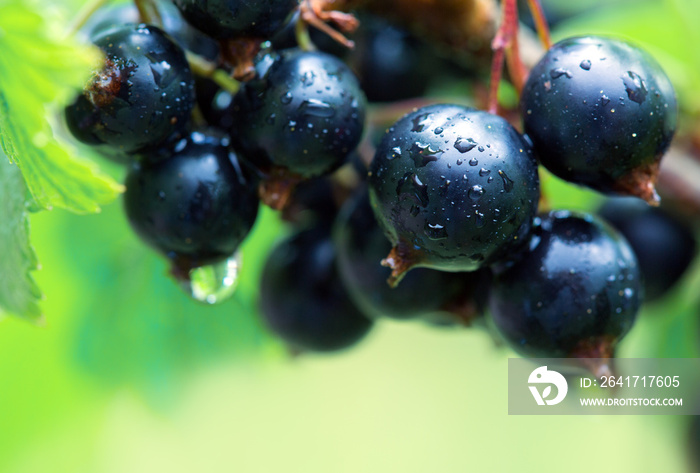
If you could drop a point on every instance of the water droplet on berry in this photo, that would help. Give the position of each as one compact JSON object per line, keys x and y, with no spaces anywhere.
{"x":308,"y":78}
{"x":435,"y":231}
{"x":411,"y":184}
{"x":585,"y":65}
{"x":473,"y":162}
{"x":476,"y":192}
{"x":316,"y":108}
{"x":395,"y":153}
{"x":484,"y":172}
{"x":480,"y":222}
{"x":215,"y":283}
{"x":420,"y":122}
{"x":463,"y":145}
{"x":635,"y":87}
{"x":422,"y":154}
{"x":558,"y":72}
{"x":286,"y":98}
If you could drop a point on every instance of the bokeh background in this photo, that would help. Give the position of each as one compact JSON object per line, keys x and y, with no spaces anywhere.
{"x":127,"y":374}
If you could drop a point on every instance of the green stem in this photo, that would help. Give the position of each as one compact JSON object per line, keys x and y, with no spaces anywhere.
{"x":148,"y":11}
{"x":208,"y":69}
{"x":84,"y":15}
{"x":301,"y":31}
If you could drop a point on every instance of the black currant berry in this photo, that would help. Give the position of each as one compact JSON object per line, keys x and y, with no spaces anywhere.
{"x":236,"y":18}
{"x":390,"y":63}
{"x":142,"y":96}
{"x":600,"y":112}
{"x":575,"y":293}
{"x":423,"y":293}
{"x":453,"y":188}
{"x":664,"y":245}
{"x":186,"y":36}
{"x":304,"y":113}
{"x":196,"y":206}
{"x":302,"y":298}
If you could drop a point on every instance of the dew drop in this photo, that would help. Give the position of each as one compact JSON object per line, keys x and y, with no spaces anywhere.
{"x":463,"y":145}
{"x":473,"y":162}
{"x":635,"y":87}
{"x":435,"y":231}
{"x":286,"y":98}
{"x":316,"y":108}
{"x":484,"y":172}
{"x":395,"y":153}
{"x":438,"y":130}
{"x":558,"y":72}
{"x":215,"y":283}
{"x":421,"y":122}
{"x":476,"y":192}
{"x":411,"y":184}
{"x":507,"y":182}
{"x":308,"y":78}
{"x":585,"y":65}
{"x":423,"y":154}
{"x":480,"y":222}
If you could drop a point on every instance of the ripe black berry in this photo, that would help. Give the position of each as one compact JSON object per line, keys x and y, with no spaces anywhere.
{"x":142,"y":96}
{"x":600,"y":112}
{"x":576,"y":291}
{"x":302,"y":298}
{"x":391,"y":64}
{"x":304,"y":113}
{"x":186,"y":36}
{"x":453,"y":188}
{"x":236,"y":18}
{"x":664,"y":245}
{"x":422,"y":293}
{"x":196,"y":206}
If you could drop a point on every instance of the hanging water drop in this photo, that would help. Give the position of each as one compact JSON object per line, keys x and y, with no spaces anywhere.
{"x":215,"y":283}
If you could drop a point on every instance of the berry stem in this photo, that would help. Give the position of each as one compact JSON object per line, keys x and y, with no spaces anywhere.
{"x":148,"y":11}
{"x":276,"y":188}
{"x":301,"y":31}
{"x":239,"y":53}
{"x":540,"y":22}
{"x":505,"y":46}
{"x":204,"y":68}
{"x":84,"y":15}
{"x":312,"y":12}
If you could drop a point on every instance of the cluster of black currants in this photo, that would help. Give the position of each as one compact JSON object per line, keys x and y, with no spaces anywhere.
{"x":198,"y":154}
{"x":449,"y":204}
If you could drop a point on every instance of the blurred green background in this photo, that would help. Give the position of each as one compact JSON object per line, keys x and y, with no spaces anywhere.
{"x":129,"y":375}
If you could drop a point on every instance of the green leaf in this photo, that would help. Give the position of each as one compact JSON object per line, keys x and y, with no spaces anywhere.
{"x":18,"y":292}
{"x":39,"y":68}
